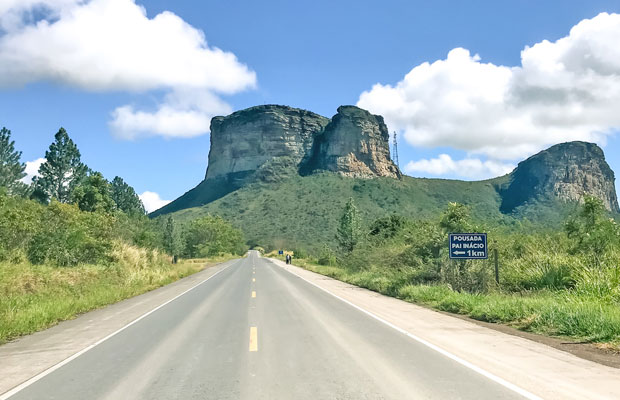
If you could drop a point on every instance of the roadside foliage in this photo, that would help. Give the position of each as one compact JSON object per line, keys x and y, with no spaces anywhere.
{"x":73,"y":241}
{"x":564,"y":283}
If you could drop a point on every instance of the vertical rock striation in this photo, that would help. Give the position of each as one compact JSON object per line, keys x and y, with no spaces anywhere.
{"x":566,"y":172}
{"x":356,"y":144}
{"x":264,"y":138}
{"x":245,"y":140}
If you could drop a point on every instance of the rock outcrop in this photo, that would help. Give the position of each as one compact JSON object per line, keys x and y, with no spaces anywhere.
{"x":356,"y":144}
{"x":566,"y":172}
{"x":245,"y":140}
{"x":253,"y":143}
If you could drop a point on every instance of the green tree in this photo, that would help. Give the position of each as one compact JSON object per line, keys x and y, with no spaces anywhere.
{"x":126,"y":198}
{"x":208,"y":236}
{"x":67,"y":236}
{"x":11,"y":169}
{"x":349,"y":232}
{"x":456,"y":218}
{"x":172,"y":237}
{"x":94,"y":194}
{"x":592,"y":229}
{"x":62,"y":171}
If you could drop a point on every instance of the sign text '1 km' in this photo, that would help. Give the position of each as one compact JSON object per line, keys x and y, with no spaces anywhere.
{"x":467,"y":246}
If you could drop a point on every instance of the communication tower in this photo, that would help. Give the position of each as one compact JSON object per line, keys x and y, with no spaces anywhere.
{"x":395,"y":151}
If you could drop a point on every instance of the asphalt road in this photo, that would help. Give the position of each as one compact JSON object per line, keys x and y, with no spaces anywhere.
{"x":255,"y":331}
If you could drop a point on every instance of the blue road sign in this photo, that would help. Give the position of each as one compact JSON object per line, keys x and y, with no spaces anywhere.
{"x":468,"y":246}
{"x":280,"y":251}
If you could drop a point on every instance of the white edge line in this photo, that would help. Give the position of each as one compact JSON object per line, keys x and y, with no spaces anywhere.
{"x":438,"y":349}
{"x":53,"y":368}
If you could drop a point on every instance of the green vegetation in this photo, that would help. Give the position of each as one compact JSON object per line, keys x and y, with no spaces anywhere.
{"x":304,"y":212}
{"x":209,"y":236}
{"x":349,"y":232}
{"x":125,"y":197}
{"x":564,"y":283}
{"x":61,"y":172}
{"x":83,"y":242}
{"x":35,"y":297}
{"x":11,"y":169}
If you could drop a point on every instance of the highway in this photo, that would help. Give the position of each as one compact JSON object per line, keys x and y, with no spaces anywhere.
{"x":256,"y":331}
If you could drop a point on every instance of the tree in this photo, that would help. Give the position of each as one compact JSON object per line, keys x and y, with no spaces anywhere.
{"x":62,"y":171}
{"x":349,"y":232}
{"x":11,"y":169}
{"x":172,"y":237}
{"x":591,"y":228}
{"x":94,"y":194}
{"x":456,"y":218}
{"x":126,"y":198}
{"x":209,"y":236}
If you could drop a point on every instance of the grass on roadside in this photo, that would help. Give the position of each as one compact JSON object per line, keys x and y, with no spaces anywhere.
{"x":562,"y":313}
{"x":35,"y":297}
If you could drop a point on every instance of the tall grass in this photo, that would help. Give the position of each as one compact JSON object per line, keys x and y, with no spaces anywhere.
{"x":34,"y":297}
{"x":588,"y":312}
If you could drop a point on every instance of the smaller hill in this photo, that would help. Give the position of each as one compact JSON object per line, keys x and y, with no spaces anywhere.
{"x":565,"y":172}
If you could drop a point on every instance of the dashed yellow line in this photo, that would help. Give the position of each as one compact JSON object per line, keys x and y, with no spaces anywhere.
{"x":253,"y":338}
{"x":253,"y":294}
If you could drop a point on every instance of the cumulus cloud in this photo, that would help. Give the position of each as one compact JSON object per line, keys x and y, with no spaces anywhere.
{"x":152,"y":201}
{"x":473,"y":168}
{"x":182,"y":114}
{"x":112,"y":45}
{"x":562,"y":91}
{"x":32,"y":170}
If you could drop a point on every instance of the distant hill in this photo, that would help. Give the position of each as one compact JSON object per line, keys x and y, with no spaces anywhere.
{"x":283,"y":176}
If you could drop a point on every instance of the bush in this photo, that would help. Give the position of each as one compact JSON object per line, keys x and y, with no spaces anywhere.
{"x":62,"y":234}
{"x":69,"y":237}
{"x":209,"y":236}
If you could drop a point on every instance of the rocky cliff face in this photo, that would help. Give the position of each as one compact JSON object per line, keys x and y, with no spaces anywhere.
{"x":565,"y":171}
{"x":247,"y":139}
{"x":355,"y":143}
{"x":256,"y":141}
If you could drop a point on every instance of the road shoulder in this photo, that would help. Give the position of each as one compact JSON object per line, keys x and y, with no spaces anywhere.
{"x":537,"y":368}
{"x":31,"y":355}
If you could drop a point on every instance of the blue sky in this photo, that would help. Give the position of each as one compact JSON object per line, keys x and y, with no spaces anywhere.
{"x":479,"y":105}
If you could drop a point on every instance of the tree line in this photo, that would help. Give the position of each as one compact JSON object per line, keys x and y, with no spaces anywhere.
{"x":65,"y":178}
{"x":585,"y":254}
{"x":70,"y":214}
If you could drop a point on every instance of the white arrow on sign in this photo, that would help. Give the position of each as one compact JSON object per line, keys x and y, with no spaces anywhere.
{"x":458,"y":253}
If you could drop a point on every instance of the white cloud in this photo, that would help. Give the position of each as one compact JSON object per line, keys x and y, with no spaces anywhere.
{"x":152,"y":201}
{"x":472,"y":168}
{"x":182,"y":114}
{"x":32,"y":170}
{"x":111,"y":45}
{"x":564,"y":90}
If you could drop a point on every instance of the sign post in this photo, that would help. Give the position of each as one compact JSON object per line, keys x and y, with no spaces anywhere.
{"x":468,"y":246}
{"x":496,"y":257}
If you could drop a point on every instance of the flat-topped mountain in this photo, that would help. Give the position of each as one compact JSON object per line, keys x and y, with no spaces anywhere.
{"x":283,"y":174}
{"x":353,"y":143}
{"x":245,"y":140}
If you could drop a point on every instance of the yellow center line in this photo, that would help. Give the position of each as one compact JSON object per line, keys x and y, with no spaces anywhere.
{"x":253,"y":339}
{"x":253,"y":294}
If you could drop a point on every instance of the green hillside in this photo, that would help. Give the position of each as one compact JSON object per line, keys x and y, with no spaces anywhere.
{"x":304,"y":211}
